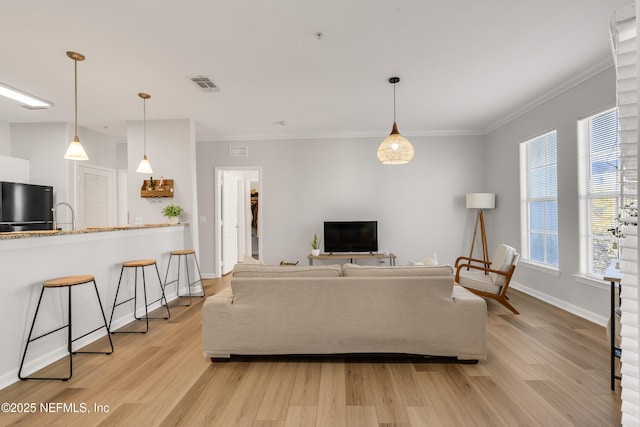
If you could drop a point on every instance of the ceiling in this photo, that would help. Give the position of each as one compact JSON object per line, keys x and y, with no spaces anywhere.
{"x":466,"y":66}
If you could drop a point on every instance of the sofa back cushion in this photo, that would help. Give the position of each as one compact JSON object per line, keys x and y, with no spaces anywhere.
{"x":354,"y":270}
{"x":256,"y":270}
{"x":502,"y":260}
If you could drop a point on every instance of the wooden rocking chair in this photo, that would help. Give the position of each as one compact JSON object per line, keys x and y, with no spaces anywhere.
{"x":492,"y":281}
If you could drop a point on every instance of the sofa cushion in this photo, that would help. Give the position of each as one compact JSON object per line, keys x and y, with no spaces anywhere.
{"x":257,"y":270}
{"x":354,"y":270}
{"x":476,"y":279}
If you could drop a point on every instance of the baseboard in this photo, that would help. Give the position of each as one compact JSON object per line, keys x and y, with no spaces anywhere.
{"x":573,"y":309}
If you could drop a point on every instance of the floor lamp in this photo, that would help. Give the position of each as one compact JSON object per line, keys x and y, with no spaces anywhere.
{"x":481,"y":201}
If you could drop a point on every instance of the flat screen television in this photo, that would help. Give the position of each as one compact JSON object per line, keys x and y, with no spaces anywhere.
{"x":351,"y":236}
{"x":25,"y":207}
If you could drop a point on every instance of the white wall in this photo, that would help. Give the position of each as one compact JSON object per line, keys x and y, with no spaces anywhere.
{"x":171,"y":152}
{"x":44,"y":145}
{"x":5,"y":138}
{"x":502,"y":175}
{"x":419,"y":207}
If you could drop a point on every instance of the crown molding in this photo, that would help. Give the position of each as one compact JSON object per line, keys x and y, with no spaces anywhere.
{"x":592,"y":71}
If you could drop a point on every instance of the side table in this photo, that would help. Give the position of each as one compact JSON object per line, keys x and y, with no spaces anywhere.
{"x":613,"y":275}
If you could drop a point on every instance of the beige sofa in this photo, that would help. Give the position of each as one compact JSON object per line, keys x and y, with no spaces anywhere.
{"x":350,"y":309}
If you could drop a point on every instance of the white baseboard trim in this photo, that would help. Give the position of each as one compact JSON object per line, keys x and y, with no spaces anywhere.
{"x":573,"y":309}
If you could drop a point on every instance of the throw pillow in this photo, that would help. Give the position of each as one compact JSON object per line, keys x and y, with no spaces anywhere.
{"x":431,"y":260}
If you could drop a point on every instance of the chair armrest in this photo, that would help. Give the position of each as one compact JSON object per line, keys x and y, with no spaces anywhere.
{"x":465,"y":258}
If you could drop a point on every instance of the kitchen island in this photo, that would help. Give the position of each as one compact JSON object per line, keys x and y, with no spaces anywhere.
{"x":29,"y":258}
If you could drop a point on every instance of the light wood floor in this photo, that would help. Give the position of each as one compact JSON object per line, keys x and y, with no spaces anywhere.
{"x":545,"y":368}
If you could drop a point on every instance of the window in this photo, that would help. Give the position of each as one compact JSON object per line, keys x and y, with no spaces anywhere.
{"x":539,"y":199}
{"x":599,"y":180}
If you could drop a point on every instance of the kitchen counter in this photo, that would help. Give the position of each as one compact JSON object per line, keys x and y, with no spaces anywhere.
{"x":46,"y":233}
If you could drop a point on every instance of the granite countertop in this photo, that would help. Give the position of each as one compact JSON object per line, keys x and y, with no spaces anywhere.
{"x":46,"y":233}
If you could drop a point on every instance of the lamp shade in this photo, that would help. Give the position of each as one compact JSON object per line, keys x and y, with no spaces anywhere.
{"x":481,"y":201}
{"x":75,"y":151}
{"x":144,"y":166}
{"x":395,"y":149}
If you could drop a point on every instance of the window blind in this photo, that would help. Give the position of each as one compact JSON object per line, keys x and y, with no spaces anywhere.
{"x":623,"y":35}
{"x":600,"y":192}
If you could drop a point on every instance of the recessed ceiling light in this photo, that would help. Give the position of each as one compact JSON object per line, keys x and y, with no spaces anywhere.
{"x":23,"y":98}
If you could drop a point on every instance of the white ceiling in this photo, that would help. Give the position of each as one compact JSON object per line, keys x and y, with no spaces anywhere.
{"x":465,"y":65}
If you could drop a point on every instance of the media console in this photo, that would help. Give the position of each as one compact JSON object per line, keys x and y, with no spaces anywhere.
{"x":353,"y":256}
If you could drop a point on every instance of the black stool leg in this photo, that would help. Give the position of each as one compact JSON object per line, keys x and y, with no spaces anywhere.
{"x":104,"y":325}
{"x":164,"y":297}
{"x":70,"y":336}
{"x":95,"y":286}
{"x":176,"y":281}
{"x":33,"y":323}
{"x":135,"y":302}
{"x":195,"y":260}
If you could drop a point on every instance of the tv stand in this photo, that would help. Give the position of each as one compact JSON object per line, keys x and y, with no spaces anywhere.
{"x":351,"y":256}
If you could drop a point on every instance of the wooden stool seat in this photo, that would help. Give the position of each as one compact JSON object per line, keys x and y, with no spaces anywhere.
{"x":68,"y":281}
{"x":183,"y":252}
{"x":139,"y":263}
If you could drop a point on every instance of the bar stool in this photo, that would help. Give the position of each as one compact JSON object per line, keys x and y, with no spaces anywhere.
{"x":139,"y":264}
{"x":184,"y":253}
{"x":65,"y":282}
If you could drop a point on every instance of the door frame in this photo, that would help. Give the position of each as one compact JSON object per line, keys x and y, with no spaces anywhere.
{"x":217,"y":208}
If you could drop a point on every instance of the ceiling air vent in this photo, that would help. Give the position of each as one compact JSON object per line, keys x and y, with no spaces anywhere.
{"x":205,"y":84}
{"x":239,"y":151}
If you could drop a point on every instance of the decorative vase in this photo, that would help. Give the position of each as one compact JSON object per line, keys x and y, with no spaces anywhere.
{"x":174,"y":219}
{"x":315,"y":252}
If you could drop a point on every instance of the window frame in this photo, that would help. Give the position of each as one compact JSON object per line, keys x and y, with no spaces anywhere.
{"x":525,"y":205}
{"x":586,"y":195}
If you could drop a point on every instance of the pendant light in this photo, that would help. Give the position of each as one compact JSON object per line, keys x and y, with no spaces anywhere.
{"x":75,"y":150}
{"x":395,"y":149}
{"x":144,"y":166}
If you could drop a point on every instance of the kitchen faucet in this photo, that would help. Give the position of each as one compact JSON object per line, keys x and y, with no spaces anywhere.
{"x":73,"y":215}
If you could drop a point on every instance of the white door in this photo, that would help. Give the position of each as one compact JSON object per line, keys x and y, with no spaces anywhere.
{"x":229,"y":222}
{"x":96,"y":195}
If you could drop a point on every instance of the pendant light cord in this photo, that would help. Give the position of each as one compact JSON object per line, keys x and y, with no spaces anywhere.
{"x":75,"y":78}
{"x":144,"y":125}
{"x":394,"y":103}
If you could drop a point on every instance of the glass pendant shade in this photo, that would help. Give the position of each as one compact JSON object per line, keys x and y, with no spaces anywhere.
{"x":75,"y":150}
{"x":144,"y":166}
{"x":395,"y":149}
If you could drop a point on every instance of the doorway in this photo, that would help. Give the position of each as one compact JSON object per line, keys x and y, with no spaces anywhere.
{"x":238,"y":217}
{"x":96,"y":196}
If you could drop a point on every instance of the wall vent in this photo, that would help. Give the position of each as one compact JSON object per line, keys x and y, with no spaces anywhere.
{"x":239,"y":151}
{"x":205,"y":84}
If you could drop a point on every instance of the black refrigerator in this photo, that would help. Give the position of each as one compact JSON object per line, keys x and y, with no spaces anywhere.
{"x":25,"y":207}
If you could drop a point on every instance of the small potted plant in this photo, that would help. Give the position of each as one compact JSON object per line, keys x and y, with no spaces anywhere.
{"x":315,"y":245}
{"x":173,"y":212}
